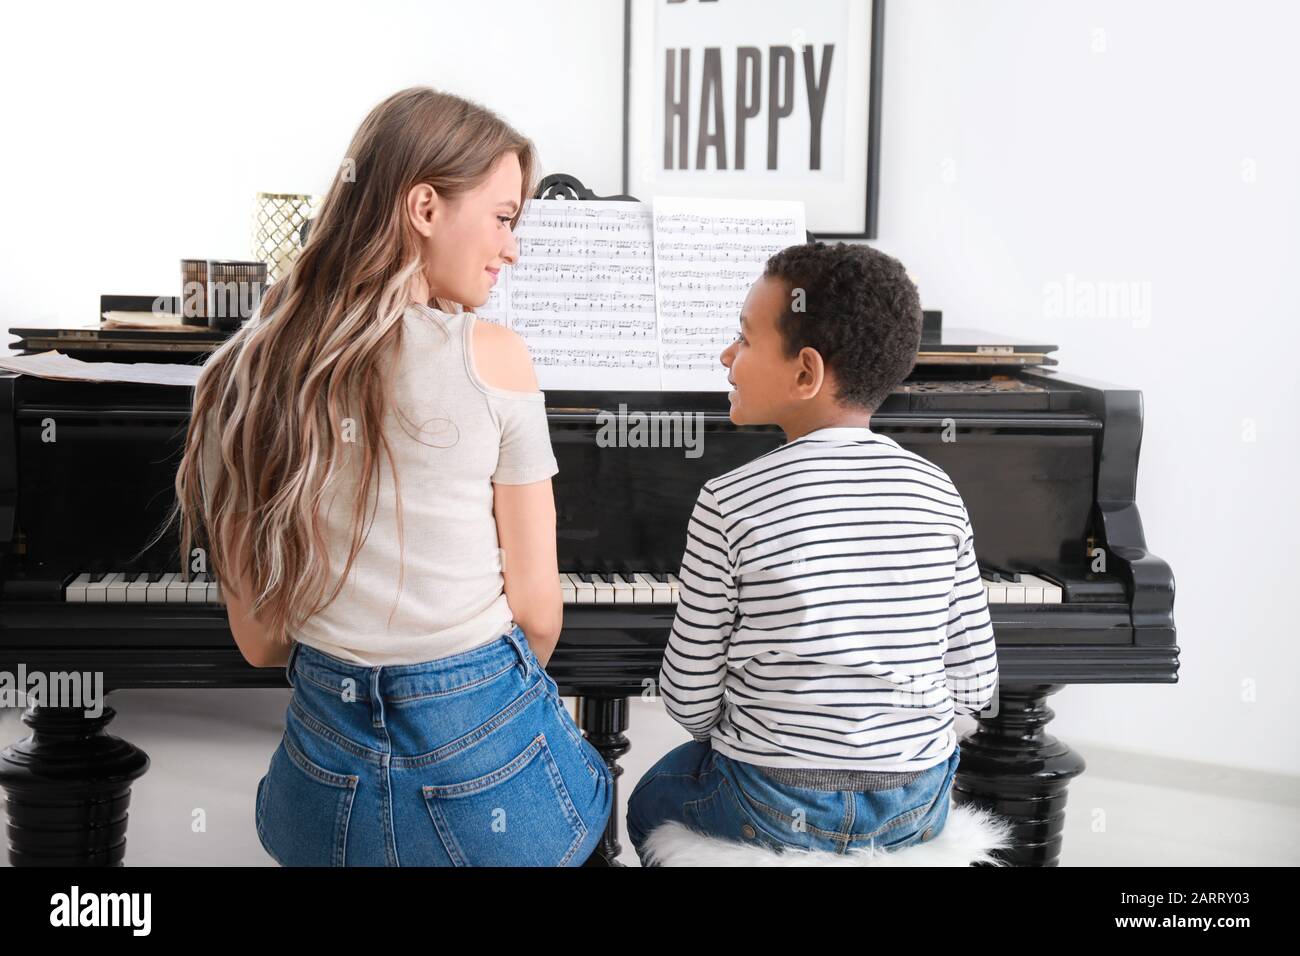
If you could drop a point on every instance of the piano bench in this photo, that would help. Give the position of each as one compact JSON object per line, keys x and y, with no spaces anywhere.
{"x":968,"y":838}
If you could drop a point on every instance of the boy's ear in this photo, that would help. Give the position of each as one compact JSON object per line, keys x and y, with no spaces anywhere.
{"x":812,"y":373}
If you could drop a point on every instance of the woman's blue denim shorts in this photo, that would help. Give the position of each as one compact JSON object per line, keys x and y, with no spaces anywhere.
{"x":469,"y":760}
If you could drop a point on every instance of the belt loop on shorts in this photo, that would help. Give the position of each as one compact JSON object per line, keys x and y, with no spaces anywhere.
{"x":376,"y":699}
{"x":524,"y":661}
{"x":288,"y":664}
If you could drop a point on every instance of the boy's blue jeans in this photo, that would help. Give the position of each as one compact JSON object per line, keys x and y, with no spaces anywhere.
{"x":721,"y":797}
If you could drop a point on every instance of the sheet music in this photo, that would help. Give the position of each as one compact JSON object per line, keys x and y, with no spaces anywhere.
{"x":707,"y":254}
{"x":55,"y":365}
{"x":582,"y":294}
{"x":623,"y":295}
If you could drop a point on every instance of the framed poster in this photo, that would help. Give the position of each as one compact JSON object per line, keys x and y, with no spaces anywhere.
{"x":757,"y":99}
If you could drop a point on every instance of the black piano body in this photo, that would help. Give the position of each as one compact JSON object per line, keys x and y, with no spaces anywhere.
{"x":1046,"y":463}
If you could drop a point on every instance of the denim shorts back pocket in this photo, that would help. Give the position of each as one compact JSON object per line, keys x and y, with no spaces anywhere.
{"x":789,"y":816}
{"x":727,"y":815}
{"x":520,"y":814}
{"x":303,"y":810}
{"x":930,"y":796}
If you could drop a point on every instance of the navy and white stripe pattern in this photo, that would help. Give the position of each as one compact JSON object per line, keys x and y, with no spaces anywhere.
{"x":831,"y":610}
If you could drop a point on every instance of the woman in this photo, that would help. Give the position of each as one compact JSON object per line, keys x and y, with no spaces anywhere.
{"x":422,"y":729}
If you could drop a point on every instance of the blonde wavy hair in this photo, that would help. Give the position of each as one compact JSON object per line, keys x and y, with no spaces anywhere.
{"x":313,"y":355}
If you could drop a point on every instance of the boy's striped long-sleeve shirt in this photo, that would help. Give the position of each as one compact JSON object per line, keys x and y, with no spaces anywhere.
{"x":831,"y":611}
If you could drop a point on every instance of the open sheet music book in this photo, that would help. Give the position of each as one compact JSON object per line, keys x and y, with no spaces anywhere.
{"x":634,"y":296}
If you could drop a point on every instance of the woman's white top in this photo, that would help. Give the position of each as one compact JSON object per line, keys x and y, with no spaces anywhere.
{"x":459,"y":436}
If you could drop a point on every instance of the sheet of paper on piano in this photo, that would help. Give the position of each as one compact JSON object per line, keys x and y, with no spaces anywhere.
{"x":623,"y":295}
{"x":582,"y":294}
{"x":707,"y":254}
{"x":54,"y":364}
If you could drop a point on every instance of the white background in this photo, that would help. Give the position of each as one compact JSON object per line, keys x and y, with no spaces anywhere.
{"x":1014,"y":155}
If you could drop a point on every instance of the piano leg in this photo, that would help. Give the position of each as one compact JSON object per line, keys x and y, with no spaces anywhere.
{"x":68,"y":786}
{"x":1011,"y":766}
{"x":604,"y":719}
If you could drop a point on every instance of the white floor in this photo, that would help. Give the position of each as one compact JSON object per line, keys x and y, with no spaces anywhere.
{"x":208,"y":749}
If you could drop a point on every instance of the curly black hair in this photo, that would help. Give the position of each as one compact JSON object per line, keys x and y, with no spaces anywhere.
{"x":860,"y":311}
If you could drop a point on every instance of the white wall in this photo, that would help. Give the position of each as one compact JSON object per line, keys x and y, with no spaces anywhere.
{"x":1020,"y":147}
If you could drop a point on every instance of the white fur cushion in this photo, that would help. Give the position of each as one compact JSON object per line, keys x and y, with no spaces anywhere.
{"x":969,"y":836}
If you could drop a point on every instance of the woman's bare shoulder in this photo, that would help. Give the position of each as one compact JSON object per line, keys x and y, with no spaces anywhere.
{"x":501,"y":358}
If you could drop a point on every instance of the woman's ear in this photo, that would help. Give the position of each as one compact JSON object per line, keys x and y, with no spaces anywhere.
{"x":421,"y":204}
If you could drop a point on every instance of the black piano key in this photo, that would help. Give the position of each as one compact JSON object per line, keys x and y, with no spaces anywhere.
{"x":1004,"y":575}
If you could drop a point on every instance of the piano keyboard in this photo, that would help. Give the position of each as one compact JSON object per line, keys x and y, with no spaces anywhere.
{"x":158,"y":587}
{"x":1003,"y":587}
{"x":142,"y":587}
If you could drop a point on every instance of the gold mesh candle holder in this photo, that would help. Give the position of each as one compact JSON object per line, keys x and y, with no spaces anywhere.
{"x":276,"y":224}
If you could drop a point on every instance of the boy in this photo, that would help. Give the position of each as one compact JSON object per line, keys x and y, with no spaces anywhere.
{"x":832,"y":620}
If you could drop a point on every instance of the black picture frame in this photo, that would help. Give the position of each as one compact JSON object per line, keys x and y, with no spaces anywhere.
{"x":875,"y":73}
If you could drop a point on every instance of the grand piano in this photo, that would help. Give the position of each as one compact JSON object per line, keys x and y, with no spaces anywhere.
{"x":1047,"y":465}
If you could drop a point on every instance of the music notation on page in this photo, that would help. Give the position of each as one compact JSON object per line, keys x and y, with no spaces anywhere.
{"x":619,"y":273}
{"x":582,"y":294}
{"x":562,"y":327}
{"x":727,"y":243}
{"x":693,"y":223}
{"x":584,"y":249}
{"x":583,"y":302}
{"x":622,"y":359}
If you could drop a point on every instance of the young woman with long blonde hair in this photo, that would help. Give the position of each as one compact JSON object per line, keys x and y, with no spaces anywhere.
{"x":368,"y":474}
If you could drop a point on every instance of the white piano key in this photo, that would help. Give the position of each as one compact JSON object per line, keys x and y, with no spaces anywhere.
{"x":157,"y":590}
{"x":567,"y":589}
{"x":642,"y":592}
{"x":214,"y":593}
{"x":604,"y":590}
{"x":97,"y":591}
{"x":197,"y":592}
{"x":116,"y":591}
{"x":137,"y":592}
{"x":995,"y":593}
{"x":177,"y":589}
{"x":586,"y":594}
{"x":1048,"y":592}
{"x":1033,"y":589}
{"x":622,"y":590}
{"x":1015,"y":593}
{"x":76,"y":590}
{"x":660,"y":593}
{"x":674,"y":584}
